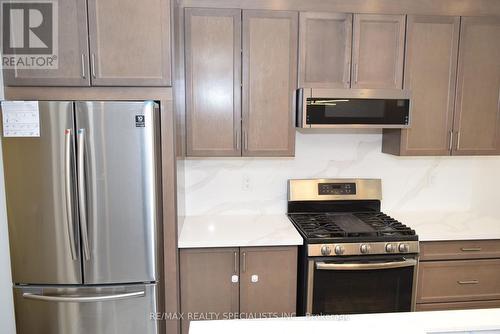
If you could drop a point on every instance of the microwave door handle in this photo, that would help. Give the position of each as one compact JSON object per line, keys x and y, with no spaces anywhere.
{"x":68,"y":185}
{"x":366,"y":266}
{"x":82,"y":196}
{"x":83,"y":299}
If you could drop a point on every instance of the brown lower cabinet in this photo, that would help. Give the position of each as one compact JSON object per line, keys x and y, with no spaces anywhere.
{"x":458,"y":305}
{"x":459,"y":275}
{"x":250,"y":282}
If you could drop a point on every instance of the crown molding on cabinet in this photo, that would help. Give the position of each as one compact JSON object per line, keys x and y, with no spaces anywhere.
{"x":420,"y":7}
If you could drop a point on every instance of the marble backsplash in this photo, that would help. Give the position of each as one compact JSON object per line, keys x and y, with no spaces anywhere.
{"x":258,"y":185}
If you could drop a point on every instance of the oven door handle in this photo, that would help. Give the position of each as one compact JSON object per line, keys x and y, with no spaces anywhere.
{"x":366,"y":266}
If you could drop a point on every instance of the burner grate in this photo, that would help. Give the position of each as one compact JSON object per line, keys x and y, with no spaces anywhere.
{"x":374,"y":225}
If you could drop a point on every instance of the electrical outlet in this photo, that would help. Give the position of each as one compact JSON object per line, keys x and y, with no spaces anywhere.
{"x":431,"y":180}
{"x":246,"y":184}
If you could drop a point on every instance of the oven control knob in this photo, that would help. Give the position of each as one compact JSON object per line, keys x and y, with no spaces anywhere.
{"x":364,"y":248}
{"x":389,"y":248}
{"x":326,"y":250}
{"x":339,"y":250}
{"x":404,"y":248}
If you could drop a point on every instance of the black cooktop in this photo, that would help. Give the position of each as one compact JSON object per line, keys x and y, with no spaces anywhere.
{"x":351,"y":227}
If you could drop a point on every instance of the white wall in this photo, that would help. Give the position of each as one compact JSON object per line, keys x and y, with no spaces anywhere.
{"x":258,"y":185}
{"x":7,"y":325}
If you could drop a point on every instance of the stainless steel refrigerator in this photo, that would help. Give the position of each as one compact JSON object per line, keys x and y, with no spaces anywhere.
{"x":83,"y":205}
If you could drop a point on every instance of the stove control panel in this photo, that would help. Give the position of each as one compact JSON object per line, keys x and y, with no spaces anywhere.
{"x":337,"y":188}
{"x":373,"y":248}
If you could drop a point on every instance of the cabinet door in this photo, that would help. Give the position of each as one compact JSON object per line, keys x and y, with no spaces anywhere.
{"x":325,"y":50}
{"x":430,"y":74}
{"x":378,"y":48}
{"x":130,"y":42}
{"x":206,"y":281}
{"x":458,"y":281}
{"x":269,"y":82}
{"x":72,"y":52}
{"x":458,"y":305}
{"x":477,"y":106}
{"x":213,"y":81}
{"x":459,"y":250}
{"x":268,"y":280}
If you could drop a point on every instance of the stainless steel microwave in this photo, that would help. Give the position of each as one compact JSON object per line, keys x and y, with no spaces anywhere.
{"x":353,"y":108}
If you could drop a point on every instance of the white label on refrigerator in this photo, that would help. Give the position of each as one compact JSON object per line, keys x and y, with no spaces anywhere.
{"x":20,"y":119}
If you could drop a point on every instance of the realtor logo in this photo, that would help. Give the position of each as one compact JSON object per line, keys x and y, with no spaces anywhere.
{"x":29,"y":34}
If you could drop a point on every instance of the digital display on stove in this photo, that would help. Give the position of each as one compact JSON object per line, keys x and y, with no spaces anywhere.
{"x":337,"y":188}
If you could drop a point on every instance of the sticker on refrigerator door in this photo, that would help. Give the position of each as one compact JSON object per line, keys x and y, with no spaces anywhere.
{"x":20,"y":119}
{"x":139,"y":121}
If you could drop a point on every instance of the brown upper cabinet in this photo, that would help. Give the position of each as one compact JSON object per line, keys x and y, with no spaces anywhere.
{"x":378,"y":51}
{"x":430,"y":75}
{"x":241,"y":75}
{"x":337,"y":51}
{"x":213,"y":84}
{"x":477,"y":102}
{"x":130,"y":46}
{"x":73,"y":52}
{"x":325,"y":50}
{"x":269,"y":82}
{"x":126,"y":43}
{"x":455,"y":109}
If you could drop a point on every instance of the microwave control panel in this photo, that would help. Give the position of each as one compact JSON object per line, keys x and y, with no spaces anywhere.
{"x":337,"y":188}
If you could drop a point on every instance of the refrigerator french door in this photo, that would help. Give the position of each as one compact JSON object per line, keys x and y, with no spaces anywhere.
{"x":83,"y":213}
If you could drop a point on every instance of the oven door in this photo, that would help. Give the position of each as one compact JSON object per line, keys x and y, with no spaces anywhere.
{"x":371,"y":285}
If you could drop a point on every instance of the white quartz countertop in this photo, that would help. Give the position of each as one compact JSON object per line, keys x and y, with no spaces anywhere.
{"x":237,"y":231}
{"x":462,"y":321}
{"x":440,"y":226}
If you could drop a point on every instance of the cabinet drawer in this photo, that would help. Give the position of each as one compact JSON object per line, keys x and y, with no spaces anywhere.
{"x":444,"y":281}
{"x":455,"y":250}
{"x":458,"y":306}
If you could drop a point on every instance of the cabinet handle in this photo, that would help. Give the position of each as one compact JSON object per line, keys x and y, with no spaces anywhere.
{"x":83,"y":65}
{"x":93,"y":64}
{"x":471,"y":249}
{"x":356,"y":73}
{"x":244,"y":262}
{"x":235,"y":262}
{"x":458,"y":140}
{"x":474,"y":281}
{"x":245,"y":141}
{"x":451,"y":140}
{"x":237,"y":139}
{"x":346,"y":73}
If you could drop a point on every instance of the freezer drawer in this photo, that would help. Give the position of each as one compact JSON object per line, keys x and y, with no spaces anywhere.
{"x":41,"y":200}
{"x":98,"y":310}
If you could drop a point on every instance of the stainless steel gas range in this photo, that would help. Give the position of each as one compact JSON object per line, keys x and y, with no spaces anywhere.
{"x":355,"y":259}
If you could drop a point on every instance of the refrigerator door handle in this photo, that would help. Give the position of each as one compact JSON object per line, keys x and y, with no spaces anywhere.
{"x":82,"y":197}
{"x":68,"y":194}
{"x":84,"y":299}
